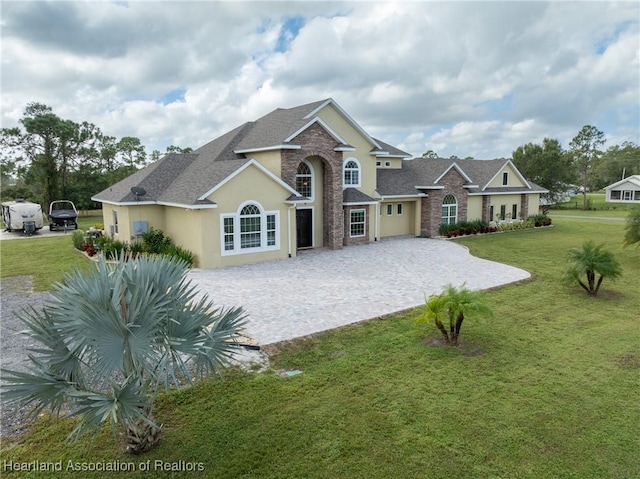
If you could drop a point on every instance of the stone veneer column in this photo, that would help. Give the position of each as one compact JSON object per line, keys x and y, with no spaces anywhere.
{"x":431,"y":219}
{"x":315,"y":141}
{"x":524,"y":206}
{"x":486,"y":208}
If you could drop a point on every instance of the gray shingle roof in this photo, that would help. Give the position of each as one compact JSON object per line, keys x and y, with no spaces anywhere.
{"x":424,"y":172}
{"x":354,"y":195}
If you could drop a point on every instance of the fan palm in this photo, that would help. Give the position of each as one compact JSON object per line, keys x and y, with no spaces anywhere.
{"x":452,"y":306}
{"x":592,"y":260}
{"x":114,"y":338}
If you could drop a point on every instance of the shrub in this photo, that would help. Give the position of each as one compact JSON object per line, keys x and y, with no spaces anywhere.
{"x":113,"y":249}
{"x":78,"y":239}
{"x":89,"y":249}
{"x":181,"y":253}
{"x":155,"y":242}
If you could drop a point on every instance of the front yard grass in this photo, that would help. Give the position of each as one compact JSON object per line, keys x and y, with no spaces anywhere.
{"x":547,"y":389}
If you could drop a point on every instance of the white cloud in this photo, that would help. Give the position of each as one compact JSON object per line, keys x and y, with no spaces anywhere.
{"x":473,"y":79}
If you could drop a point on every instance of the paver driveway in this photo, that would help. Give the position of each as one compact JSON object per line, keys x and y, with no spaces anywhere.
{"x":321,"y":289}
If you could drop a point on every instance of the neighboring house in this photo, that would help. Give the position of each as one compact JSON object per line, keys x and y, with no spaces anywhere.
{"x":306,"y":177}
{"x":624,"y":191}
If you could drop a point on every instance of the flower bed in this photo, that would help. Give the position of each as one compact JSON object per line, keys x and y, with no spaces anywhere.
{"x":464,"y":228}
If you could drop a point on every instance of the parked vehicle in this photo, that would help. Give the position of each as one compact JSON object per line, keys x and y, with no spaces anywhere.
{"x":63,"y":215}
{"x":21,"y":215}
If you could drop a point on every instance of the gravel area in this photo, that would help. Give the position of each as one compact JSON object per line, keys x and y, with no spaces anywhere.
{"x":16,"y":294}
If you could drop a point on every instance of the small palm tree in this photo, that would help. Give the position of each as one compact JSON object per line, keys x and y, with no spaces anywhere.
{"x":592,"y":260}
{"x":114,"y":338}
{"x":451,"y":306}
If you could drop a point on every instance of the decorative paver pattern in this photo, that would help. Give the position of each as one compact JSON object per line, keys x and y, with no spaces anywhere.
{"x":321,"y":289}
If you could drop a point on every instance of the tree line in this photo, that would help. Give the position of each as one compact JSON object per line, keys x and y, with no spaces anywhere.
{"x":48,"y":158}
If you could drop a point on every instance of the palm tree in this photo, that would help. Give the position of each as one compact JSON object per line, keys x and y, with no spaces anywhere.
{"x":592,"y":260}
{"x":114,"y":338}
{"x":451,"y":306}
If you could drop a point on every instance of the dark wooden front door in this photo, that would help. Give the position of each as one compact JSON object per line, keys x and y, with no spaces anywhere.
{"x":304,"y":221}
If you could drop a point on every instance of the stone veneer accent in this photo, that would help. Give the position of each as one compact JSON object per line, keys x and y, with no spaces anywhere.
{"x":524,"y":206}
{"x":431,"y":211}
{"x":486,"y":208}
{"x":315,"y":141}
{"x":348,"y":240}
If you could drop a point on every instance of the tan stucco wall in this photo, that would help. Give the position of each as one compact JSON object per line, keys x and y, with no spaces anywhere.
{"x":474,"y":208}
{"x":508,"y":201}
{"x":269,"y":159}
{"x":534,"y":204}
{"x":124,"y":224}
{"x":514,"y":179}
{"x":393,"y":162}
{"x":251,"y":184}
{"x":184,"y":227}
{"x":398,"y":225}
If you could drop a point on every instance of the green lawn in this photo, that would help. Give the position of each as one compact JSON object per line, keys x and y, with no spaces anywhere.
{"x":547,"y":389}
{"x":597,"y":207}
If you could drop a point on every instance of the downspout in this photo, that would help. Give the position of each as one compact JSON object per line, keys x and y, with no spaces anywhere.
{"x":289,"y":228}
{"x":377,"y":222}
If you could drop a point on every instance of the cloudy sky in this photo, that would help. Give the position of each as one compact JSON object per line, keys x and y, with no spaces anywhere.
{"x":467,"y":79}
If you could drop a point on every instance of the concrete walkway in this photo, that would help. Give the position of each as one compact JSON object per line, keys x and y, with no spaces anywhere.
{"x":321,"y":289}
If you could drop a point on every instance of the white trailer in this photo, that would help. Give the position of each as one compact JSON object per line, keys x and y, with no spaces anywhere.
{"x":21,"y":215}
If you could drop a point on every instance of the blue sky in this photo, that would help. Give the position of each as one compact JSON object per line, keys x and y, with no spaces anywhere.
{"x":467,"y":79}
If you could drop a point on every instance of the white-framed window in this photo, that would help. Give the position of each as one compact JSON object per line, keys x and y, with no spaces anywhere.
{"x":449,"y":210}
{"x":378,"y":163}
{"x":304,"y":180}
{"x":115,"y":221}
{"x":351,"y":170}
{"x":505,"y":178}
{"x":387,"y":164}
{"x":399,"y":209}
{"x":626,"y":195}
{"x":514,"y":211}
{"x":250,"y":230}
{"x":503,"y":211}
{"x":389,"y":209}
{"x":357,"y":222}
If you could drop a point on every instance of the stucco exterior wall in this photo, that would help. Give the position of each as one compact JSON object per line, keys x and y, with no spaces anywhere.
{"x":513,"y":179}
{"x":184,"y":227}
{"x":125,"y":227}
{"x":398,"y":225}
{"x":269,"y":159}
{"x":393,"y":162}
{"x":474,"y":208}
{"x":508,"y":201}
{"x":533,"y":207}
{"x":250,"y":185}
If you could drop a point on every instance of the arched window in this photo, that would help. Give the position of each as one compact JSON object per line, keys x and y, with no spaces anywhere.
{"x":304,"y":180}
{"x":250,"y":229}
{"x":351,"y":172}
{"x":449,"y":210}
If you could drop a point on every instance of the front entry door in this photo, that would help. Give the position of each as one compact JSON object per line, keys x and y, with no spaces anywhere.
{"x":304,"y":221}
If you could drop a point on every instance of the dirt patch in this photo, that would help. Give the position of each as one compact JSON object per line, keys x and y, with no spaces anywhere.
{"x":628,"y":361}
{"x":467,"y":348}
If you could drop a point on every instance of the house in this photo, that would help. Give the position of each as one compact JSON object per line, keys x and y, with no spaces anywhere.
{"x":306,"y":177}
{"x":624,"y":191}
